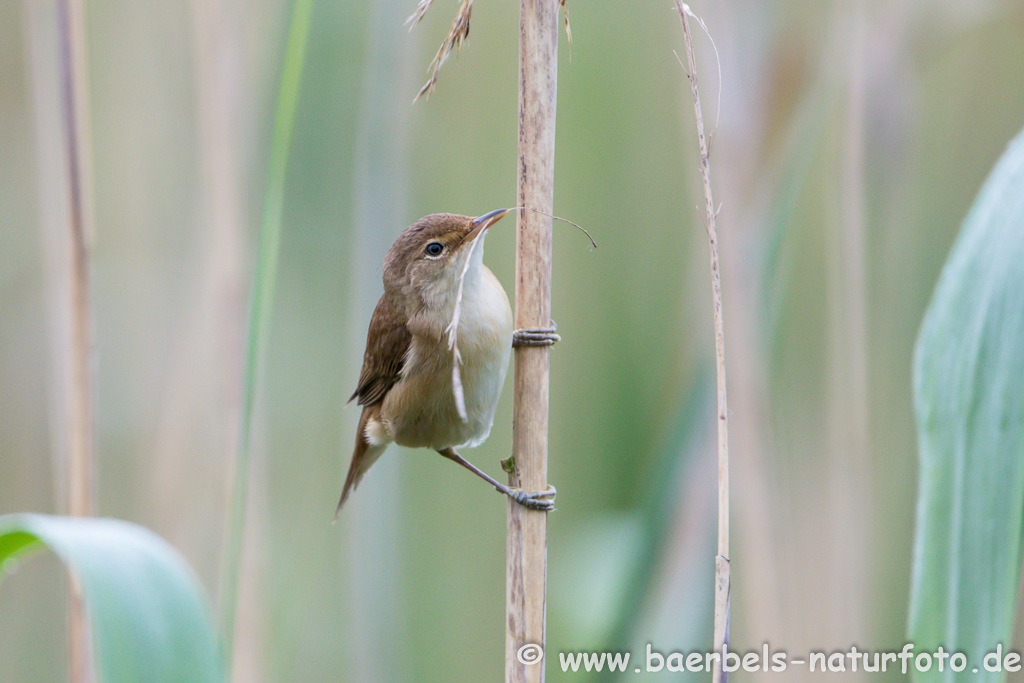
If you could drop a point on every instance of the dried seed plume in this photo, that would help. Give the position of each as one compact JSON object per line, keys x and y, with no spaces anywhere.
{"x":453,"y":41}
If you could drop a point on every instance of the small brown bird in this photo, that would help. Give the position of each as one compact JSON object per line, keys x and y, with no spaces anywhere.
{"x":409,"y":392}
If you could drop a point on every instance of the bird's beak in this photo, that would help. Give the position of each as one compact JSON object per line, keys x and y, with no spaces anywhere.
{"x":481,"y":223}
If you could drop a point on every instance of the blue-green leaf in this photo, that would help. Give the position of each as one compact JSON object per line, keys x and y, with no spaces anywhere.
{"x":148,"y":618}
{"x":969,"y":398}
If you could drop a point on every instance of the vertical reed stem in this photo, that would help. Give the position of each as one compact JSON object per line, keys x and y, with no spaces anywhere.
{"x":723,"y":577}
{"x":81,"y":451}
{"x":526,"y":569}
{"x":80,"y":445}
{"x":261,"y":308}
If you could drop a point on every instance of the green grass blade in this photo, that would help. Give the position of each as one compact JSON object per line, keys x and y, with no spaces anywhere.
{"x":262,"y":305}
{"x":147,"y":613}
{"x":969,"y":398}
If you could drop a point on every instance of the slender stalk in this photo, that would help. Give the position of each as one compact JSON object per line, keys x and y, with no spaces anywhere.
{"x":265,"y":279}
{"x":526,"y":568}
{"x":81,"y":451}
{"x":81,"y":455}
{"x":847,"y":421}
{"x":377,"y":647}
{"x":204,"y":385}
{"x":723,"y":577}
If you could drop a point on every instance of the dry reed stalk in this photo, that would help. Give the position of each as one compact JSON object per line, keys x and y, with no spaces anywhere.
{"x":722,"y":567}
{"x":81,"y":450}
{"x":199,"y":429}
{"x":526,"y":568}
{"x":81,"y":456}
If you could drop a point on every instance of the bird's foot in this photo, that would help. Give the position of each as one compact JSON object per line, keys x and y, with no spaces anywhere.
{"x":536,"y":336}
{"x":535,"y":500}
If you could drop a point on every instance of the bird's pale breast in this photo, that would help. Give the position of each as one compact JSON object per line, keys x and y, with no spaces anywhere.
{"x":420,"y":411}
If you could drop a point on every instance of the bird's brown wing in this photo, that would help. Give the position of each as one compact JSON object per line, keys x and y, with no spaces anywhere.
{"x":386,"y":345}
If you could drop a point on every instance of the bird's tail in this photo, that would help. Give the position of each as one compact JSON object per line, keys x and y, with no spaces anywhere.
{"x":364,"y":455}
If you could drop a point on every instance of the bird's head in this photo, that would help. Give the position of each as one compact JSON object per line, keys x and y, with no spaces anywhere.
{"x":428,"y":259}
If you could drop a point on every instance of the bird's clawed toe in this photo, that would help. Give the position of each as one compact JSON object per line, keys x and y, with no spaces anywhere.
{"x":535,"y":500}
{"x":536,"y":336}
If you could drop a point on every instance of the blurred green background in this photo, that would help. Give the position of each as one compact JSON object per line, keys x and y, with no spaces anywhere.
{"x":852,"y":139}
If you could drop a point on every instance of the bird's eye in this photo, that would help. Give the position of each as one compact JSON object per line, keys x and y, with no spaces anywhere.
{"x":434,"y":249}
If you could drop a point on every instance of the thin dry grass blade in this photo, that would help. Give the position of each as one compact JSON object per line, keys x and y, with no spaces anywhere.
{"x":723,"y":571}
{"x":453,"y":41}
{"x":417,"y":16}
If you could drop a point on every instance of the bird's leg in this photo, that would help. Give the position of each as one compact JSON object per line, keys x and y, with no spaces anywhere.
{"x":536,"y":500}
{"x":536,"y":336}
